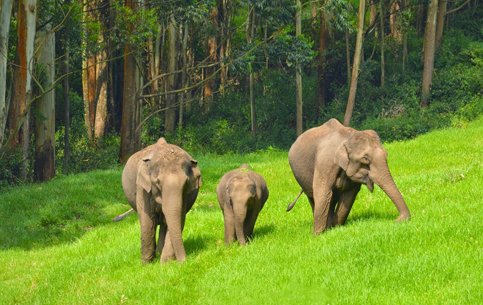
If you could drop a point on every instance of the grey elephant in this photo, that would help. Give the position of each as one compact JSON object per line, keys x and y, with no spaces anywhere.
{"x":242,"y":194}
{"x":161,"y":183}
{"x":330,"y":162}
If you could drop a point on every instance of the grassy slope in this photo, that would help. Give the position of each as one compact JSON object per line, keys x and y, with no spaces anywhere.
{"x":58,"y":245}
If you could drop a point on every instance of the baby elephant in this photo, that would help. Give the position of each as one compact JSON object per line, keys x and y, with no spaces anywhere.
{"x":241,"y":194}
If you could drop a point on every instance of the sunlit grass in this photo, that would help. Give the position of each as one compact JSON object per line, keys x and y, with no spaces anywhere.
{"x":59,"y":246}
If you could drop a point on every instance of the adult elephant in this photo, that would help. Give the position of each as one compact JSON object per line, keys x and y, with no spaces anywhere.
{"x":330,"y":162}
{"x":161,"y":183}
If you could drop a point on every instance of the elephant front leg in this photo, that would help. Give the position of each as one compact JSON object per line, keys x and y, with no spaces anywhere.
{"x":168,"y":251}
{"x":322,"y":200}
{"x":148,"y":236}
{"x":229,"y":222}
{"x":346,"y":201}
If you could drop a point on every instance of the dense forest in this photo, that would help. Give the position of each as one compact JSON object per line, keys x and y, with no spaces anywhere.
{"x":84,"y":84}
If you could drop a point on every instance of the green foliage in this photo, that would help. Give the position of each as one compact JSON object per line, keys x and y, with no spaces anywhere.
{"x":9,"y":166}
{"x":62,"y":230}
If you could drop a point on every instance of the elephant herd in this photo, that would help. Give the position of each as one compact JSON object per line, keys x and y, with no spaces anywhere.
{"x":330,"y":162}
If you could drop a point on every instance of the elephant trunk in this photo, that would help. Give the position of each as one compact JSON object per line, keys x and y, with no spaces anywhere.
{"x":172,"y":207}
{"x":387,"y":184}
{"x":240,"y":212}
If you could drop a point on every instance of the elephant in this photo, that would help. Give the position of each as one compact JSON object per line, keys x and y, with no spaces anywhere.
{"x":161,"y":182}
{"x":330,"y":162}
{"x":242,"y":194}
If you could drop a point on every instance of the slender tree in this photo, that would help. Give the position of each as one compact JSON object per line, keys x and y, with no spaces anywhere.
{"x":429,"y":50}
{"x":298,"y":70}
{"x":324,"y":39}
{"x":44,"y":165}
{"x":442,"y":6}
{"x":356,"y":63}
{"x":382,"y":34}
{"x":250,"y":32}
{"x":19,"y":112}
{"x":5,"y":13}
{"x":170,"y":113}
{"x":131,"y":105}
{"x":212,"y":45}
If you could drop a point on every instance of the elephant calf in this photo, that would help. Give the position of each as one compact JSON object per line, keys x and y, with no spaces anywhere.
{"x":161,"y":183}
{"x":241,"y":194}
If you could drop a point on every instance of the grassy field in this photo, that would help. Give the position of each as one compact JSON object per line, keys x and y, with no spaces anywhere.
{"x":59,"y":246}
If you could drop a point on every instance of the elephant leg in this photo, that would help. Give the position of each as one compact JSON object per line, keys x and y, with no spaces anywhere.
{"x":240,"y":215}
{"x":322,"y":199}
{"x":345,"y":204}
{"x":229,"y":220}
{"x":311,"y":201}
{"x":250,"y":222}
{"x":168,"y":251}
{"x":148,"y":222}
{"x":332,"y":220}
{"x":163,"y":229}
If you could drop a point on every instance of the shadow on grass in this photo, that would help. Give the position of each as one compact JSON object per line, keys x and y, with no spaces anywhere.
{"x":367,"y":216}
{"x":59,"y":211}
{"x":195,"y":245}
{"x":263,"y":230}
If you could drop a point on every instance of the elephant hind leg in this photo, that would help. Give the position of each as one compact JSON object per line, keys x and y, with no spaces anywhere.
{"x":345,"y":204}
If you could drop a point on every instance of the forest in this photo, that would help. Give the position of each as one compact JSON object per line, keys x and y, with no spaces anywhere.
{"x":85,"y":84}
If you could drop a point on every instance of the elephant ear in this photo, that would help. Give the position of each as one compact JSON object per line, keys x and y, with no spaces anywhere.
{"x":342,"y":156}
{"x":143,"y":178}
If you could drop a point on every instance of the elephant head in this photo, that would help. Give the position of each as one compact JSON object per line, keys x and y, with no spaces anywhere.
{"x":364,"y":160}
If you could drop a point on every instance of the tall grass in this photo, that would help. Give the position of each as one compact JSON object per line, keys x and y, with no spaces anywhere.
{"x":59,"y":246}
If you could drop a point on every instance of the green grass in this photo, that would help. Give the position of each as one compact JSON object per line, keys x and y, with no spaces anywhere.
{"x":59,"y":246}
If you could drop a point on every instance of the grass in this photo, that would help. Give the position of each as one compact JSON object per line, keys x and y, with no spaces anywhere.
{"x":59,"y":246}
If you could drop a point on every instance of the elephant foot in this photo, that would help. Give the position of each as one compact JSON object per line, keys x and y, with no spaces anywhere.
{"x":403,"y":217}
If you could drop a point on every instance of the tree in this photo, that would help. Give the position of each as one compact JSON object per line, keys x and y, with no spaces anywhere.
{"x":250,"y":33}
{"x":19,"y":112}
{"x":298,"y":71}
{"x":324,"y":38}
{"x":356,"y":63}
{"x":428,"y":52}
{"x":44,"y":165}
{"x":94,"y":72}
{"x":5,"y":13}
{"x":131,"y":105}
{"x":210,"y":71}
{"x":442,"y":5}
{"x":170,"y":113}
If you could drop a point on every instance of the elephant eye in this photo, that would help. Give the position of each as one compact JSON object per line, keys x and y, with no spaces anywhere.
{"x":365,"y":159}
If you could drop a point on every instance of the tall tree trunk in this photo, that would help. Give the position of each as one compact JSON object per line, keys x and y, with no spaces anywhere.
{"x":184,"y":74}
{"x":442,"y":6}
{"x":382,"y":34}
{"x":170,"y":113}
{"x":66,"y":87}
{"x":5,"y":14}
{"x":94,"y":72}
{"x":44,"y":165}
{"x":298,"y":71}
{"x":250,"y":32}
{"x":131,"y":106}
{"x":224,"y":39}
{"x":394,"y":22}
{"x":19,"y":116}
{"x":348,"y":56}
{"x":404,"y":41}
{"x":213,"y":58}
{"x":322,"y":83}
{"x":356,"y":62}
{"x":429,"y":50}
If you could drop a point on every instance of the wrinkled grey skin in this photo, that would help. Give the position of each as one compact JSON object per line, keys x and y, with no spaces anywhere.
{"x":161,"y":183}
{"x":241,"y":195}
{"x":330,"y":162}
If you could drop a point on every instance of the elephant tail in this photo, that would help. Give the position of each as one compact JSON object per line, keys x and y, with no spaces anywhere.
{"x":123,"y":215}
{"x":290,"y":206}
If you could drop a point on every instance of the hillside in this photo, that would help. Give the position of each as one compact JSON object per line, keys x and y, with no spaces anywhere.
{"x":59,"y":246}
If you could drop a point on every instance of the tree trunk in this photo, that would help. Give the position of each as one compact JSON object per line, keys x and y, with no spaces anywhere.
{"x":209,"y":71}
{"x":131,"y":106}
{"x":355,"y":68}
{"x":322,"y":84}
{"x":250,"y":32}
{"x":404,"y":41}
{"x":66,"y":87}
{"x":442,"y":6}
{"x":5,"y":14}
{"x":394,"y":22}
{"x":348,"y":57}
{"x":184,"y":74}
{"x":94,"y":72}
{"x":170,"y":114}
{"x":382,"y":34}
{"x":19,"y":111}
{"x":44,"y":165}
{"x":298,"y":71}
{"x":428,"y":50}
